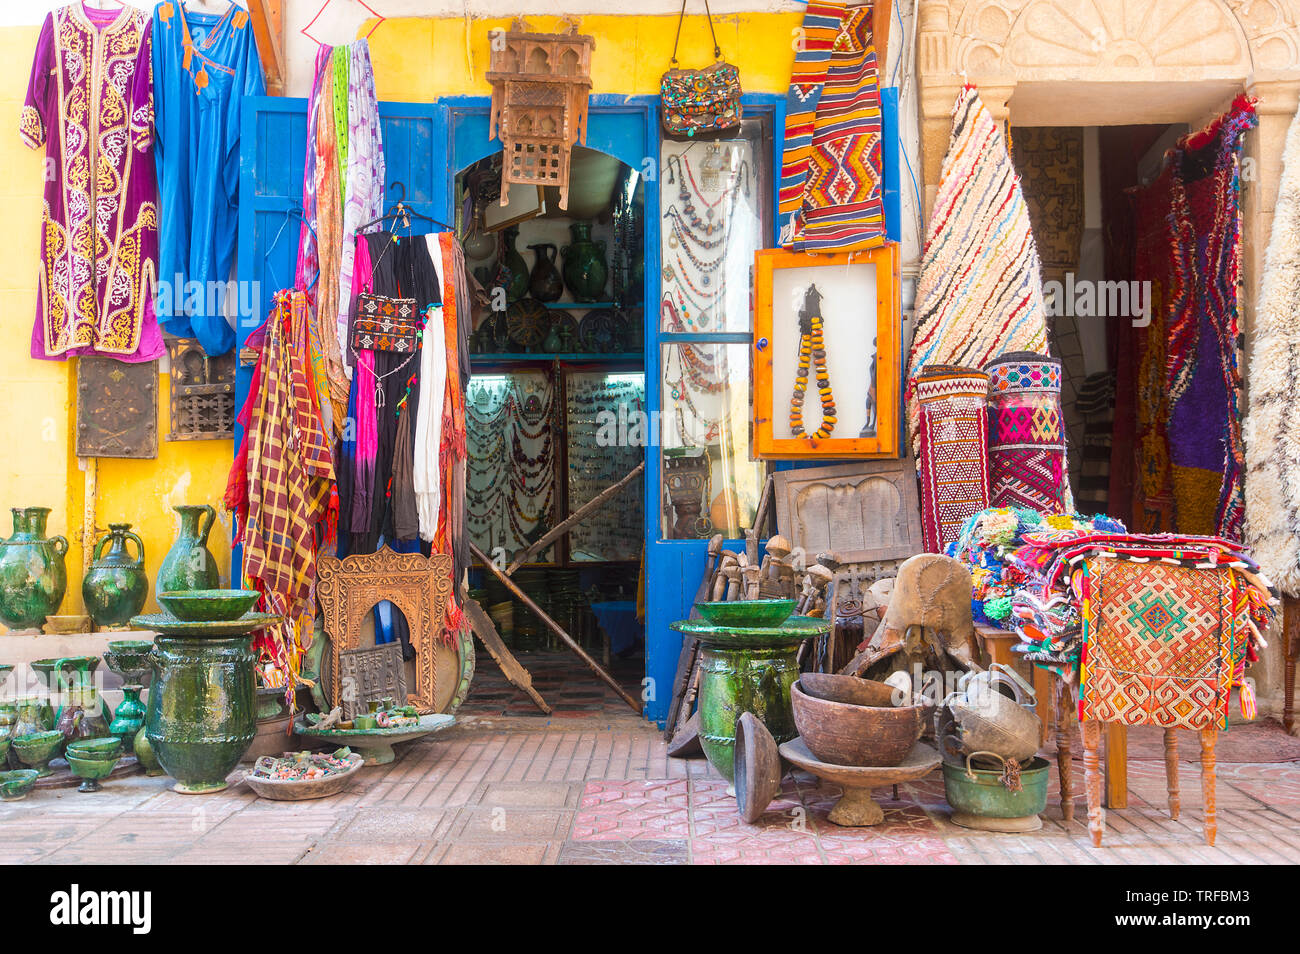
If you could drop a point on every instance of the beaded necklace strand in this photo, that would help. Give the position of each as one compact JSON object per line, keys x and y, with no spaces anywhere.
{"x":812,"y":350}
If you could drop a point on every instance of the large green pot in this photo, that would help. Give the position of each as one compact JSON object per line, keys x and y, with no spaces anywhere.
{"x":202,"y":709}
{"x":116,"y":587}
{"x":746,"y":669}
{"x":981,"y":792}
{"x":33,"y":577}
{"x":585,"y":270}
{"x":189,"y":565}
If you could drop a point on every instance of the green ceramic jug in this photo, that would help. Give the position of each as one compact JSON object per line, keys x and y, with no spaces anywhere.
{"x":585,"y":270}
{"x":33,"y":577}
{"x":189,"y":565}
{"x":512,"y":270}
{"x":116,"y":587}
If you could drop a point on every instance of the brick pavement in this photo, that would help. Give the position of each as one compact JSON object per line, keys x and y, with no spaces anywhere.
{"x":600,"y":789}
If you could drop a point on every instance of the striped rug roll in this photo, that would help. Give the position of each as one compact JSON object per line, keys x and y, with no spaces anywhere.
{"x":1026,"y":433}
{"x":952,"y":462}
{"x":980,"y":291}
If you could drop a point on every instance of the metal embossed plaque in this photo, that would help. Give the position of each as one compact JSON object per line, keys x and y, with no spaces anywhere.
{"x":117,"y":408}
{"x":366,"y":674}
{"x":202,"y":394}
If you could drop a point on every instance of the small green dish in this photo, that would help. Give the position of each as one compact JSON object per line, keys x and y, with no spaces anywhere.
{"x":37,"y":749}
{"x":207,"y":606}
{"x":16,"y":784}
{"x":104,"y":749}
{"x":748,"y":613}
{"x":90,"y":771}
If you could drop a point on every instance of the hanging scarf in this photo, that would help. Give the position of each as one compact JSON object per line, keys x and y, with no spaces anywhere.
{"x":289,"y":473}
{"x":362,"y":168}
{"x":364,"y":403}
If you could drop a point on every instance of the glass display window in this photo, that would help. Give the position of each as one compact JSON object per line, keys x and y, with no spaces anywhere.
{"x":605,"y":428}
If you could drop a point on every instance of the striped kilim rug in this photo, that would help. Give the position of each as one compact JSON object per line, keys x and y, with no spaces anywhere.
{"x":980,"y":292}
{"x":952,"y":462}
{"x":1026,"y":433}
{"x":830,"y":196}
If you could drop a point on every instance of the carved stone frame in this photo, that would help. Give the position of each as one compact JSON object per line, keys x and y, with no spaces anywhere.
{"x":417,"y":585}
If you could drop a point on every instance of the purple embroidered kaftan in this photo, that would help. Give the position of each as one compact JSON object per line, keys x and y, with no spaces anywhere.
{"x":90,"y":103}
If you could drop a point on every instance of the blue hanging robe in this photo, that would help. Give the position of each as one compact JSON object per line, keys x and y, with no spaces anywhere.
{"x":204,"y":64}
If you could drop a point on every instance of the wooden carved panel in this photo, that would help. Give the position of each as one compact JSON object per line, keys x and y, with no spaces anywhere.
{"x":117,"y":408}
{"x":419,"y":586}
{"x":202,"y":394}
{"x":865,"y":512}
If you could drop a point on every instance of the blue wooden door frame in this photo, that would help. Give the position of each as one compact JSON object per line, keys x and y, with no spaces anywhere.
{"x":627,"y":127}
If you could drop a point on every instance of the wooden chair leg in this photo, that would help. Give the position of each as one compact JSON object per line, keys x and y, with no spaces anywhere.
{"x":1063,"y":768}
{"x":1208,"y":738}
{"x":1092,"y":779}
{"x":1171,"y":772}
{"x":1290,"y":647}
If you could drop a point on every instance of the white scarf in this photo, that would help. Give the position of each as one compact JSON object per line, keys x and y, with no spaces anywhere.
{"x":426,"y":476}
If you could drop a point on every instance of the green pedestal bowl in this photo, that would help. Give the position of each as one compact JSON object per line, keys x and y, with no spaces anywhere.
{"x":36,"y":750}
{"x":90,"y":771}
{"x":108,"y":748}
{"x":747,"y":612}
{"x":17,"y":784}
{"x":198,"y":606}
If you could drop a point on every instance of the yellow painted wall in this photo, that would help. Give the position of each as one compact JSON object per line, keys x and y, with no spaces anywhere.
{"x":38,"y":463}
{"x":416,"y":60}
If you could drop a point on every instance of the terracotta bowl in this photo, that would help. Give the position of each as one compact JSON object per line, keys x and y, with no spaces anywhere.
{"x":844,"y":734}
{"x":851,"y":689}
{"x":206,"y":606}
{"x":16,"y":784}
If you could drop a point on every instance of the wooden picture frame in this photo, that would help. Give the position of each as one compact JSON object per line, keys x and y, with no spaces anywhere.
{"x":867,"y":423}
{"x":419,"y":586}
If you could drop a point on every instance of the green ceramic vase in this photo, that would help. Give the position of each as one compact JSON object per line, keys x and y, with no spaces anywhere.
{"x":145,"y":755}
{"x":202,"y":708}
{"x":116,"y":587}
{"x":189,"y":565}
{"x":744,"y":679}
{"x":129,"y":718}
{"x":33,"y":577}
{"x":512,"y":270}
{"x":585,"y":269}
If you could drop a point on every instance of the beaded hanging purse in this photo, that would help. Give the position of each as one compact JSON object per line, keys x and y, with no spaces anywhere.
{"x":697,"y":103}
{"x":385,"y":324}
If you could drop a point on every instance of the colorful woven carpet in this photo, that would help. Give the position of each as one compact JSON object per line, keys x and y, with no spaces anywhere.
{"x":980,"y":292}
{"x":1272,"y":428}
{"x":1026,"y":433}
{"x":953,"y":462}
{"x":1200,"y":377}
{"x":830,"y":195}
{"x":1161,"y":643}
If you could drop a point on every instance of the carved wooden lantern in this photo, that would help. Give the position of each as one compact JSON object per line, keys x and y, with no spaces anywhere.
{"x":202,"y":396}
{"x":540,"y":84}
{"x":419,"y":586}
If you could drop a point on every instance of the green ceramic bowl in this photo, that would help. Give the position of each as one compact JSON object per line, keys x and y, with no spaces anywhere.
{"x":92,"y":768}
{"x":4,"y":747}
{"x":207,"y":606}
{"x":38,"y":748}
{"x":749,"y":613}
{"x":16,"y":784}
{"x":99,"y":750}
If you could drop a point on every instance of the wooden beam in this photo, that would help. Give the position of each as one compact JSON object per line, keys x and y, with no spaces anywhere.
{"x":553,"y":626}
{"x":268,"y":31}
{"x":579,"y":515}
{"x":511,"y":667}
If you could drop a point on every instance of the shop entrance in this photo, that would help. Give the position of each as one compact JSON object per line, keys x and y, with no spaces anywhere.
{"x":555,"y":410}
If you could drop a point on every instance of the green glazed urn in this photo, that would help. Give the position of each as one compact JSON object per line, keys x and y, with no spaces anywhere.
{"x":145,"y":755}
{"x":33,"y":577}
{"x":202,"y":708}
{"x":129,"y":718}
{"x":116,"y":587}
{"x":585,"y":269}
{"x":189,"y":565}
{"x":512,"y":270}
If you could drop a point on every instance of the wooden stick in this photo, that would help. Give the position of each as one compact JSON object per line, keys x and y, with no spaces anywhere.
{"x":1208,"y":738}
{"x":553,"y":626}
{"x":1290,"y":646}
{"x":1064,"y":766}
{"x":1092,"y":779}
{"x":511,"y":668}
{"x":268,"y":34}
{"x":579,"y":515}
{"x":1171,"y":773}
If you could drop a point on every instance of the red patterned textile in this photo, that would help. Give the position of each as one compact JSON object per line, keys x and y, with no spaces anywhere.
{"x":952,"y":462}
{"x":1026,"y":433}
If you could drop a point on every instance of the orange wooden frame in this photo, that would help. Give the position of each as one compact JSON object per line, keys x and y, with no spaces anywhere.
{"x":888,"y":319}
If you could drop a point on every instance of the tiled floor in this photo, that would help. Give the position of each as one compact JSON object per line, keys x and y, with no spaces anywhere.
{"x":600,"y":790}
